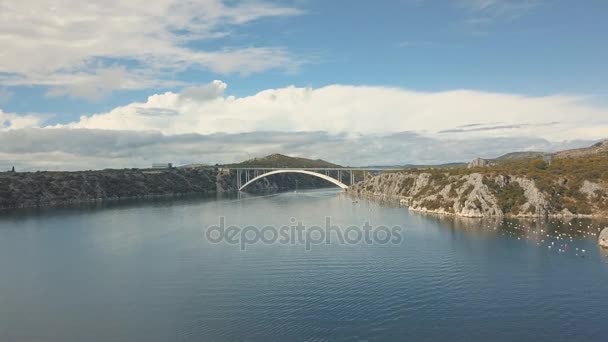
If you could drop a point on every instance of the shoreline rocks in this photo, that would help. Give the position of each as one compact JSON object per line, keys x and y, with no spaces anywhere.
{"x":482,"y":195}
{"x":603,"y":238}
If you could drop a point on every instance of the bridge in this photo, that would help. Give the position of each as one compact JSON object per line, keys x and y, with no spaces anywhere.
{"x":342,"y":177}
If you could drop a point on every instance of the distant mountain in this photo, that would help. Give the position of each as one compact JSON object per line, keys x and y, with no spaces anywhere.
{"x":280,"y":160}
{"x":417,"y":166}
{"x":520,"y":156}
{"x":598,"y":148}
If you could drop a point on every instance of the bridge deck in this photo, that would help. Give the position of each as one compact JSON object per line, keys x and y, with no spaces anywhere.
{"x":315,"y":168}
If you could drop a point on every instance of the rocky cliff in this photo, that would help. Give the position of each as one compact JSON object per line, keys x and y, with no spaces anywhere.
{"x":477,"y":194}
{"x":526,"y":184}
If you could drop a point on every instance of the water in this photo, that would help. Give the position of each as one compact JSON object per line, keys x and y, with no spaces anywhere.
{"x":144,"y":272}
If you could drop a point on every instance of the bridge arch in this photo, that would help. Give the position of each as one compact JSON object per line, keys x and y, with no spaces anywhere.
{"x":316,"y":174}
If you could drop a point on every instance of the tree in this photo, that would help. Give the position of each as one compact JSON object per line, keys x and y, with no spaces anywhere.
{"x":13,"y":169}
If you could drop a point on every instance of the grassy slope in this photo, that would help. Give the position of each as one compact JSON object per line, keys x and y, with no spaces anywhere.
{"x":560,"y":181}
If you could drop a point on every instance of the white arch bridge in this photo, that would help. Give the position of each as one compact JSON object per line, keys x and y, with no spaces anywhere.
{"x":341,"y":177}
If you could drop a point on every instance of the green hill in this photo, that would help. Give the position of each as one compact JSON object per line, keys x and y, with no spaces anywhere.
{"x":280,"y":160}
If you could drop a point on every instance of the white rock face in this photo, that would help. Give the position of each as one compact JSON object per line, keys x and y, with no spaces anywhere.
{"x":603,"y":239}
{"x":479,"y":202}
{"x":590,"y":188}
{"x":479,"y":162}
{"x":461,"y":195}
{"x":536,"y":203}
{"x":469,"y":195}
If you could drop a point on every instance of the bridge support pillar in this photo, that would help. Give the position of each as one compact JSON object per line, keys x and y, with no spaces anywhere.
{"x":238,"y":179}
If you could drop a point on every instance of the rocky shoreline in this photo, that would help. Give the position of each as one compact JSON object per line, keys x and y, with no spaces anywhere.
{"x":47,"y":189}
{"x":20,"y":190}
{"x":603,"y":238}
{"x":478,"y":195}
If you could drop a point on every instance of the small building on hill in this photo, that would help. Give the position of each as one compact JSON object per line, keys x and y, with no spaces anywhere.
{"x":162,"y":166}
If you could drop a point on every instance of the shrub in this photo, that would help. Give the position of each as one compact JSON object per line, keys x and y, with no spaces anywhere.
{"x":510,"y":197}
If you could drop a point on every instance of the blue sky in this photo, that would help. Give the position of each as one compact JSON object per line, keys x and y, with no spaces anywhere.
{"x":75,"y":60}
{"x":546,"y":48}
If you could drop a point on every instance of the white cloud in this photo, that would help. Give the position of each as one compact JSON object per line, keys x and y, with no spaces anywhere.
{"x":205,"y":92}
{"x":84,"y":149}
{"x":359,"y":109}
{"x":84,"y":48}
{"x":351,"y":125}
{"x":10,"y":121}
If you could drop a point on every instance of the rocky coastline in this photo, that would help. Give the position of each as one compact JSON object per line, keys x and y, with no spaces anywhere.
{"x":46,"y":189}
{"x":479,"y":195}
{"x":56,"y":188}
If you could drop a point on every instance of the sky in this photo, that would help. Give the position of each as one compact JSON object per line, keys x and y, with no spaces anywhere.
{"x":91,"y":85}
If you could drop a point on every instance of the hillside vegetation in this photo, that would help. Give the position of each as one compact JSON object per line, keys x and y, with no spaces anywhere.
{"x":37,"y":189}
{"x":283,"y":161}
{"x":573,"y":182}
{"x":570,"y":183}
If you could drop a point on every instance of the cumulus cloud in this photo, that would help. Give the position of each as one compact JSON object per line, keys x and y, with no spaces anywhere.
{"x":83,"y":149}
{"x":359,"y":109}
{"x":10,"y":121}
{"x":205,"y":92}
{"x":350,"y":125}
{"x":87,"y":48}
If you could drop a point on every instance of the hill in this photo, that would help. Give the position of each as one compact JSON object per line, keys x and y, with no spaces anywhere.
{"x":40,"y":189}
{"x":520,"y":155}
{"x":569,"y":183}
{"x":417,"y":166}
{"x":596,"y":149}
{"x":280,"y":160}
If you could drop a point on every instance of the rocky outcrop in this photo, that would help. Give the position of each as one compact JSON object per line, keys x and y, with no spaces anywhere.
{"x":463,"y":195}
{"x":479,"y":162}
{"x":590,"y":189}
{"x":536,"y":203}
{"x":476,"y":195}
{"x":603,"y":238}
